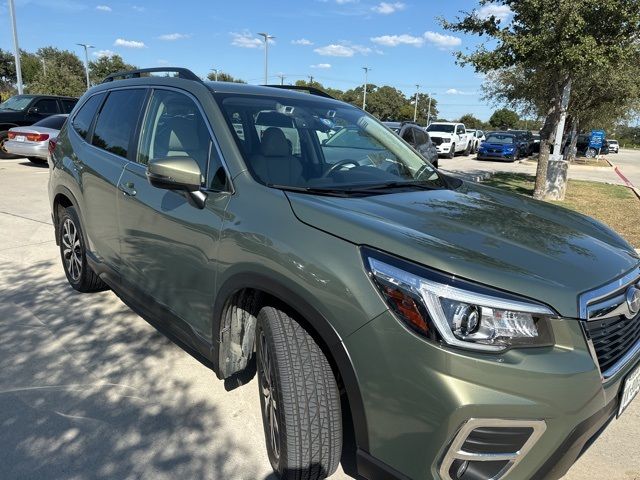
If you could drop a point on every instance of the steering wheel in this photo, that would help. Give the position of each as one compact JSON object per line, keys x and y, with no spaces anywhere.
{"x":338,"y":165}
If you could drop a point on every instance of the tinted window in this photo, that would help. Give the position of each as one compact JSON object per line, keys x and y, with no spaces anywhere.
{"x":174,"y":127}
{"x":408,"y":137}
{"x":117,"y":120}
{"x":54,"y":121}
{"x":47,"y":106}
{"x":67,"y":105}
{"x":438,"y":127}
{"x":421,"y":137}
{"x":84,"y":117}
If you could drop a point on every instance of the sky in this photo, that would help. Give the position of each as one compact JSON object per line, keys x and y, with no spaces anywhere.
{"x":401,"y":42}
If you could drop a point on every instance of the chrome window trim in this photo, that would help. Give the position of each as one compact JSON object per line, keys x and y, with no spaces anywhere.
{"x":609,"y":289}
{"x":455,"y":451}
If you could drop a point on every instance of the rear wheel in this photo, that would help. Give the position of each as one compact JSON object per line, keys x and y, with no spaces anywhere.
{"x":452,"y":152}
{"x":73,"y":254}
{"x":299,"y":399}
{"x":4,"y":155}
{"x":467,"y":150}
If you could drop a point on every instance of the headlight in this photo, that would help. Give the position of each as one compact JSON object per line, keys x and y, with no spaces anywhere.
{"x":460,"y":313}
{"x":446,"y":140}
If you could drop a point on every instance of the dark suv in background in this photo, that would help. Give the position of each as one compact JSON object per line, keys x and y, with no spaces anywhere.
{"x":417,"y":137}
{"x":436,"y":328}
{"x":22,"y":110}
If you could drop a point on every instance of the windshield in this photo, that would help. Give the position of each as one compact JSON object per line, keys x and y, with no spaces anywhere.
{"x":438,"y":127}
{"x":314,"y":144}
{"x":501,"y":139}
{"x":17,"y":103}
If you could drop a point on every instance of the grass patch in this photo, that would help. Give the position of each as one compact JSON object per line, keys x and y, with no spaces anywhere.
{"x":614,"y":205}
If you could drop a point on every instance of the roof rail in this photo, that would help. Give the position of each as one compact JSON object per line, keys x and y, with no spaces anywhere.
{"x":125,"y":74}
{"x":303,"y":88}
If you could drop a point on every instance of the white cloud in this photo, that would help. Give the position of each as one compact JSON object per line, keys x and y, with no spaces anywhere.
{"x":138,"y":8}
{"x":335,"y":50}
{"x":360,"y":49}
{"x":103,"y":8}
{"x":246,"y":40}
{"x":501,"y":12}
{"x":385,"y":8}
{"x":302,"y":41}
{"x":395,"y":40}
{"x":121,"y":42}
{"x":104,"y":53}
{"x":442,"y":41}
{"x":173,"y":36}
{"x":322,"y":66}
{"x":455,"y":91}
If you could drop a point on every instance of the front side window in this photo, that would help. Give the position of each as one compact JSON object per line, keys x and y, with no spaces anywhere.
{"x":117,"y":121}
{"x":82,"y":120}
{"x":310,"y":144}
{"x":439,"y":127}
{"x":47,"y":106}
{"x":408,"y":136}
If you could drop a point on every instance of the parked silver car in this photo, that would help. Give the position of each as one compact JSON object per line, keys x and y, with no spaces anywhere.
{"x":33,"y":141}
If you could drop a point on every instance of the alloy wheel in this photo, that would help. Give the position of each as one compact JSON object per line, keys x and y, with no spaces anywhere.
{"x":268,"y":392}
{"x":71,"y":249}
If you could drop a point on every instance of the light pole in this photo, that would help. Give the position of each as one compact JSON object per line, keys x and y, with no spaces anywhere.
{"x":266,"y":37}
{"x":281,"y":76}
{"x":215,"y":73}
{"x":364,"y":97}
{"x":16,"y":49}
{"x":86,"y":47}
{"x":429,"y":110}
{"x":415,"y":106}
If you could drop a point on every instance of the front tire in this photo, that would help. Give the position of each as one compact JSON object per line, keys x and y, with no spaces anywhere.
{"x":73,"y":254}
{"x":452,"y":152}
{"x":299,"y":398}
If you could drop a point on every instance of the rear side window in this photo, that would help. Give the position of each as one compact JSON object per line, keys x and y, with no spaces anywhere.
{"x":67,"y":105}
{"x":84,"y":117}
{"x":54,"y":121}
{"x":117,"y":121}
{"x":421,"y":137}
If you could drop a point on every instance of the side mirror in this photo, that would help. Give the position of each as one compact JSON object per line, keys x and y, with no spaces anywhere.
{"x":175,"y":173}
{"x":32,"y":111}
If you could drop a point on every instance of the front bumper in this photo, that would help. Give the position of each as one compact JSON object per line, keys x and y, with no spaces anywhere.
{"x":495,"y":156}
{"x":417,"y":395}
{"x":444,"y":148}
{"x":28,"y":149}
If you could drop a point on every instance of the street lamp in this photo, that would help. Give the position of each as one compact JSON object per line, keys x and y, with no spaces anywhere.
{"x":429,"y":109}
{"x":266,"y":37}
{"x":364,"y":97}
{"x":415,"y":106}
{"x":86,"y":46}
{"x":16,"y":49}
{"x":215,"y":73}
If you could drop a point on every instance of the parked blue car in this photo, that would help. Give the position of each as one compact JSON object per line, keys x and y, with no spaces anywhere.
{"x":499,"y":146}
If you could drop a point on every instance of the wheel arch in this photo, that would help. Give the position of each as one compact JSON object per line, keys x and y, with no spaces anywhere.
{"x":62,"y":198}
{"x":262,"y":290}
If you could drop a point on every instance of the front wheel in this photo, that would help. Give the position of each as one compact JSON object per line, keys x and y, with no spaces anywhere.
{"x":299,"y":398}
{"x":452,"y":152}
{"x":591,"y":153}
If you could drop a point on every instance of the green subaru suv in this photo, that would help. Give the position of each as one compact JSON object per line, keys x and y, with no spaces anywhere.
{"x":415,"y":324}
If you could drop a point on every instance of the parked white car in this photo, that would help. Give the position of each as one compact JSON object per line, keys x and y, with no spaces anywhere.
{"x":614,"y":147}
{"x":477,"y":137}
{"x":32,"y":142}
{"x":450,"y":138}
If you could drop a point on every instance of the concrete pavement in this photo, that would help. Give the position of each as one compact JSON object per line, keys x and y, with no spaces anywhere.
{"x":628,"y":162}
{"x":90,"y":390}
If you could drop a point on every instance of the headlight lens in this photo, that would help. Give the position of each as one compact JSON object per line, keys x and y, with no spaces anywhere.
{"x":446,"y":140}
{"x":457,"y":312}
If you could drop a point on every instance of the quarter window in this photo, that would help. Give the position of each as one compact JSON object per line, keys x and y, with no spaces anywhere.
{"x":84,"y":117}
{"x":117,"y":121}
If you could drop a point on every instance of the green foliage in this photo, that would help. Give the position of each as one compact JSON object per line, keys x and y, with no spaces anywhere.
{"x":504,"y":118}
{"x":470,"y":121}
{"x":7,"y":73}
{"x":224,"y":77}
{"x":59,"y":80}
{"x":106,"y":65}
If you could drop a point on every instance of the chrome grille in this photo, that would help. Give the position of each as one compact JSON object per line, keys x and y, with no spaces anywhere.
{"x":612,"y":328}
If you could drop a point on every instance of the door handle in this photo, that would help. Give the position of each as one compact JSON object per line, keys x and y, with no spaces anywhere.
{"x":128,"y":189}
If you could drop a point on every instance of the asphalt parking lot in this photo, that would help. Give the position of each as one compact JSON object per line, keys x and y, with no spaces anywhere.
{"x":88,"y":389}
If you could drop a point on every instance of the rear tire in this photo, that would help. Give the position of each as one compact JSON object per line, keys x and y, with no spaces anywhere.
{"x":299,"y":399}
{"x":467,"y":150}
{"x":37,"y":161}
{"x":452,"y":152}
{"x":73,"y":254}
{"x":4,"y":155}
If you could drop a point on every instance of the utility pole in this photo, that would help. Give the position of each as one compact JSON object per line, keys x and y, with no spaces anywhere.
{"x":429,"y":111}
{"x":86,"y":47}
{"x":310,"y":79}
{"x":16,"y":48}
{"x":215,"y":73}
{"x":266,"y":37}
{"x":281,"y":76}
{"x":364,"y":97}
{"x":415,"y":106}
{"x":44,"y":66}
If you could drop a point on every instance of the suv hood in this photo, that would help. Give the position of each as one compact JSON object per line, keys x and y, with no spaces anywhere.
{"x":496,"y":238}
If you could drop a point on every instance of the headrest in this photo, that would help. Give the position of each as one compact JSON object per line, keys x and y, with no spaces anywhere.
{"x":184,"y":135}
{"x":274,"y":143}
{"x":274,"y":119}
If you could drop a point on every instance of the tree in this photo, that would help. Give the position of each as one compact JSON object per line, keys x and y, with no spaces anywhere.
{"x":7,"y":73}
{"x":61,"y":74}
{"x":385,"y":102}
{"x":334,"y":92}
{"x":555,"y":42}
{"x":470,"y":121}
{"x":504,"y":118}
{"x":106,"y":65}
{"x":224,"y":77}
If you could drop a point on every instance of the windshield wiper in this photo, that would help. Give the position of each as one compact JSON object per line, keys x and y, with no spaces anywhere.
{"x":395,"y":184}
{"x":332,"y":192}
{"x":357,"y":189}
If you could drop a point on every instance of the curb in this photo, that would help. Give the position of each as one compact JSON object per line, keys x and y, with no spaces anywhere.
{"x":470,"y":177}
{"x":626,"y":181}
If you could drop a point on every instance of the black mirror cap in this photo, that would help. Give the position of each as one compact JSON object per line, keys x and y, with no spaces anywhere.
{"x":175,"y":173}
